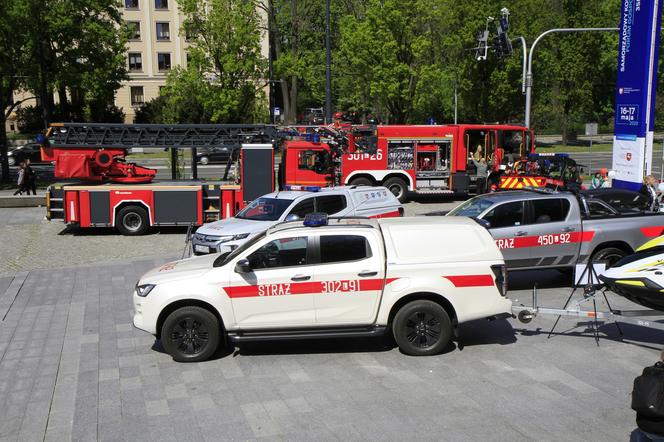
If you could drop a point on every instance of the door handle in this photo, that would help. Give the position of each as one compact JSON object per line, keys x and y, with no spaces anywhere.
{"x":520,"y":233}
{"x":568,"y":229}
{"x":301,"y":278}
{"x":366,"y":273}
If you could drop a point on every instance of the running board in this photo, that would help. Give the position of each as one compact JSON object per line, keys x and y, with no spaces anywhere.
{"x":311,"y":333}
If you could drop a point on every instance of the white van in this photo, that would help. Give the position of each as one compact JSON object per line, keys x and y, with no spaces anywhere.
{"x":292,"y":204}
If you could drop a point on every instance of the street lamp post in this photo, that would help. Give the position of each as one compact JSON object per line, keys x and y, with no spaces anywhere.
{"x":529,"y":75}
{"x":328,"y":74}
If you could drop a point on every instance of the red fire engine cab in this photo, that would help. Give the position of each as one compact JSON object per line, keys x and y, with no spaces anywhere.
{"x":420,"y":159}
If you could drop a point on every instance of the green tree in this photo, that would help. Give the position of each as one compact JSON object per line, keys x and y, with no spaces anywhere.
{"x":388,"y":60}
{"x":77,"y":48}
{"x":223,"y":80}
{"x":13,"y":63}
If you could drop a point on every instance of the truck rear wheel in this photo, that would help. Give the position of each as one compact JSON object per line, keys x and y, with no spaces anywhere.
{"x":422,"y":328}
{"x":132,"y":220}
{"x":398,"y":187}
{"x":609,"y":254}
{"x":191,"y":334}
{"x":361,"y":182}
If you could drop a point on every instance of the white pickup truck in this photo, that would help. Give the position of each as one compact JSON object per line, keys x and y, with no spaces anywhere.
{"x":414,"y":277}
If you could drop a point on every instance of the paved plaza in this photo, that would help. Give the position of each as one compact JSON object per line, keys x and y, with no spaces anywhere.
{"x":72,"y":367}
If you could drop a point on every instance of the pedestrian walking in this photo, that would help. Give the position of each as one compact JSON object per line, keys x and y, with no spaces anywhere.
{"x":30,"y":179}
{"x":648,"y":402}
{"x":20,"y":181}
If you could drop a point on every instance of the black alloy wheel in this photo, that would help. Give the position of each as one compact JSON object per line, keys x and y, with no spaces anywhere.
{"x":422,"y":328}
{"x":190,"y":334}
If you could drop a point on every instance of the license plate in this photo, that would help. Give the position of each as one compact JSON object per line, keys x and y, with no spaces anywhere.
{"x":201,"y":249}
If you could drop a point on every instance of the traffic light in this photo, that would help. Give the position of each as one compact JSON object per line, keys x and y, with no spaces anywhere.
{"x":504,"y":40}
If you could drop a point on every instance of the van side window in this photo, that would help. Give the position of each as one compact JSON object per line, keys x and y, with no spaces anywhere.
{"x":283,"y":252}
{"x":303,"y":208}
{"x":330,"y":204}
{"x":506,"y":215}
{"x":340,"y":248}
{"x":550,"y":210}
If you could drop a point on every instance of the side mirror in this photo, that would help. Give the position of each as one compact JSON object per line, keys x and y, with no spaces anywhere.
{"x":292,"y":217}
{"x":243,"y":266}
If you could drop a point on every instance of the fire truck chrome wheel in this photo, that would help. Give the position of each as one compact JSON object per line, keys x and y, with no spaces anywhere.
{"x":398,"y":187}
{"x":422,"y":328}
{"x":132,"y":220}
{"x":190,"y":334}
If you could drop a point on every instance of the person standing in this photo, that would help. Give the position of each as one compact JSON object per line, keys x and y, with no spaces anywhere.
{"x":21,"y":179}
{"x":649,"y":189}
{"x":482,"y":168}
{"x":30,"y":179}
{"x":648,"y":402}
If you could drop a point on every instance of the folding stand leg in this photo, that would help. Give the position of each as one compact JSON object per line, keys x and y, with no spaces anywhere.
{"x":611,"y":309}
{"x":555,"y":324}
{"x":596,"y":327}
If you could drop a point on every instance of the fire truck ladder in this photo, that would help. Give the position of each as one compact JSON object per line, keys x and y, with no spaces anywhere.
{"x":170,"y":136}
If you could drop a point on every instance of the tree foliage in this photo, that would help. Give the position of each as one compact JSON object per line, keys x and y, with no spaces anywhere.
{"x":222,"y":82}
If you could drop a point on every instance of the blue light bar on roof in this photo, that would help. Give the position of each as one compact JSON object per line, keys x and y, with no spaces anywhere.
{"x":315,"y":220}
{"x":304,"y":188}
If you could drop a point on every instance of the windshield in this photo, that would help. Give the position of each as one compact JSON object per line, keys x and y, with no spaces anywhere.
{"x":225,"y":258}
{"x":473,"y":207}
{"x":264,"y":209}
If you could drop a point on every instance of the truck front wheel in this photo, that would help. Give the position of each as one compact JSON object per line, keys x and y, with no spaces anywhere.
{"x":398,"y":187}
{"x":132,"y":220}
{"x":422,"y":328}
{"x":191,"y":334}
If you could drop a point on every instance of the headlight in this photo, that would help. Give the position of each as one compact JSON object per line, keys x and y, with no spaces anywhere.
{"x":224,"y":238}
{"x":143,"y":290}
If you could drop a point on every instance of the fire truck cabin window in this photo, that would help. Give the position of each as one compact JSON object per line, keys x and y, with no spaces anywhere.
{"x":311,"y":160}
{"x":513,"y":143}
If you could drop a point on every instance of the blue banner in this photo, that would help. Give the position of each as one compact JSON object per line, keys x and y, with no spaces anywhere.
{"x":635,"y":91}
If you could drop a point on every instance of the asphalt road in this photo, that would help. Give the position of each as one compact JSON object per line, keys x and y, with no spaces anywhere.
{"x":72,"y":367}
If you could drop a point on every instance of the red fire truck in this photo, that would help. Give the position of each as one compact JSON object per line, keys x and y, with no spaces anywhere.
{"x":106,"y":191}
{"x":420,"y":159}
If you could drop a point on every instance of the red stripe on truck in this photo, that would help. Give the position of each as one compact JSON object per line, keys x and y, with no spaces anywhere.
{"x":470,"y":280}
{"x":393,"y":214}
{"x":544,"y":240}
{"x":307,"y":288}
{"x":652,"y":232}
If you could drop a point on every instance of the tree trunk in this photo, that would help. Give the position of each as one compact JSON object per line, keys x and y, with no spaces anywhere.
{"x":3,"y":140}
{"x":292,"y":116}
{"x":64,"y":103}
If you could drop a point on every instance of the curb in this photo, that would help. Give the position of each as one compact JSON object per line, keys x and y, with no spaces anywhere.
{"x":22,"y":201}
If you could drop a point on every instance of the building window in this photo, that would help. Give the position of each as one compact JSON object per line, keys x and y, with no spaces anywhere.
{"x":131,"y":4}
{"x":161,"y":4}
{"x":137,"y":97}
{"x":163,"y":31}
{"x":134,"y":30}
{"x":164,"y":61}
{"x":135,"y":61}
